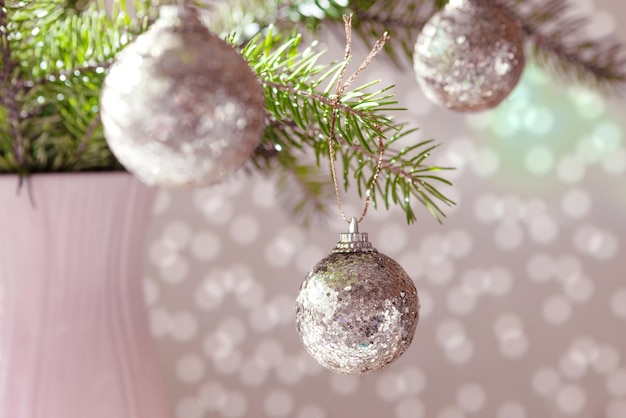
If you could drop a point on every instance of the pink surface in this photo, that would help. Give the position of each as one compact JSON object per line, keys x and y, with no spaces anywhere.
{"x":74,"y":333}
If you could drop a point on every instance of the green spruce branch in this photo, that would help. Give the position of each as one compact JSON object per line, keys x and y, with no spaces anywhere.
{"x":557,"y":41}
{"x":300,"y":101}
{"x":54,"y":55}
{"x":559,"y":45}
{"x":245,"y":19}
{"x":402,"y":19}
{"x":12,"y":90}
{"x":58,"y":52}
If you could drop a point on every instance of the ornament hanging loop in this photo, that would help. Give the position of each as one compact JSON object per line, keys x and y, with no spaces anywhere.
{"x":354,"y":226}
{"x":340,"y":88}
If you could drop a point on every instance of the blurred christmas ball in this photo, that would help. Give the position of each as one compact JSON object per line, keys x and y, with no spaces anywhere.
{"x":469,"y":56}
{"x":357,"y":310}
{"x":180,"y":107}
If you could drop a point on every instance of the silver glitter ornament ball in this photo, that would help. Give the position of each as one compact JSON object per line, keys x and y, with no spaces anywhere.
{"x":469,"y":56}
{"x":180,"y":107}
{"x":357,"y":310}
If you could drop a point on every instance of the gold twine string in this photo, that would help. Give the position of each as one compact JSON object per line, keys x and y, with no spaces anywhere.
{"x":340,"y":88}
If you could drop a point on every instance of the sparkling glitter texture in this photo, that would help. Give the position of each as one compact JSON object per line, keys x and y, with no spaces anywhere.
{"x":357,"y":310}
{"x":180,"y":107}
{"x":469,"y":56}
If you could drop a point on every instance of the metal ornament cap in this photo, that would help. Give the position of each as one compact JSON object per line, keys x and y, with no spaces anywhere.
{"x":357,"y":309}
{"x":353,"y":241}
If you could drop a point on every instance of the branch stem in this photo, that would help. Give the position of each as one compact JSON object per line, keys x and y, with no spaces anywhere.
{"x":597,"y":60}
{"x":88,"y":134}
{"x":318,"y":97}
{"x":386,"y":164}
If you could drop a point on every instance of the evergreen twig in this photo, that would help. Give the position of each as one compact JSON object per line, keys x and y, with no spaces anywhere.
{"x":81,"y":69}
{"x":82,"y":146}
{"x":403,"y":19}
{"x":12,"y":85}
{"x":300,"y":109}
{"x":559,"y":45}
{"x":54,"y":55}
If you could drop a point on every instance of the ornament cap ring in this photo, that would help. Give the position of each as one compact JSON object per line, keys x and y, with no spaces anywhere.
{"x":353,"y":241}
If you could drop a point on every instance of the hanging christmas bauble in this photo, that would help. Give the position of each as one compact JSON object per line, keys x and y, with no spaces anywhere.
{"x":357,"y":310}
{"x":181,"y":107}
{"x":469,"y":56}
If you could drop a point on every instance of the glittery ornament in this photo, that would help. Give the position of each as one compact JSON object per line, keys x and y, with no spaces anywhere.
{"x":357,"y":309}
{"x":469,"y":56}
{"x":181,"y":107}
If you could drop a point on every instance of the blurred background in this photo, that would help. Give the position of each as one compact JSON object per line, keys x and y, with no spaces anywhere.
{"x":523,"y":286}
